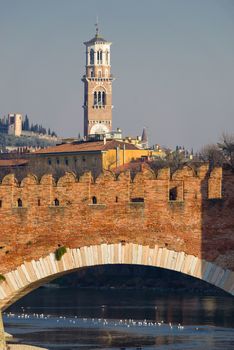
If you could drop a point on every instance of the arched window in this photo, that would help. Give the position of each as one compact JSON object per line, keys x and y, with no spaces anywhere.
{"x":99,"y":57}
{"x":56,"y":202}
{"x":19,"y":203}
{"x":95,"y":98}
{"x":0,"y":203}
{"x":99,"y":98}
{"x":94,"y":200}
{"x":103,"y":98}
{"x":91,"y":73}
{"x":91,"y":56}
{"x":39,"y":202}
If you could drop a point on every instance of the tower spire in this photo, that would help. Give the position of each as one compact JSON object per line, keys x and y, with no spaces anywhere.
{"x":144,"y":138}
{"x":97,"y":28}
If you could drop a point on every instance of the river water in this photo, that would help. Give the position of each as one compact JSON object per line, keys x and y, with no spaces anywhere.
{"x":66,"y":319}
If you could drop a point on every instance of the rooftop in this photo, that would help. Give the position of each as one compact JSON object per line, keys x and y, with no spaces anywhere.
{"x":12,"y":162}
{"x":97,"y":146}
{"x":96,"y":39}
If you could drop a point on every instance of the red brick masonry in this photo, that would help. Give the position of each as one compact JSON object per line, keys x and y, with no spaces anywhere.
{"x":200,"y":222}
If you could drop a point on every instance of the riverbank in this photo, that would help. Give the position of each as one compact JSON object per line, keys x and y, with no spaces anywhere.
{"x":9,"y":337}
{"x":23,"y":347}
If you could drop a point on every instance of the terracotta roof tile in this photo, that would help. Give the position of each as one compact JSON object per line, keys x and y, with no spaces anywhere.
{"x":72,"y":147}
{"x":115,"y":143}
{"x":86,"y":147}
{"x":12,"y":162}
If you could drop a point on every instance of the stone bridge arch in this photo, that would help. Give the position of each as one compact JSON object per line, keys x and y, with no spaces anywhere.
{"x":31,"y":274}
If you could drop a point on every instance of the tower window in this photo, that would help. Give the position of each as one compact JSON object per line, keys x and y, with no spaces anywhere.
{"x":99,"y":98}
{"x":91,"y":57}
{"x":107,"y":57}
{"x":99,"y":74}
{"x":103,"y":98}
{"x":95,"y":98}
{"x":99,"y":57}
{"x":0,"y":203}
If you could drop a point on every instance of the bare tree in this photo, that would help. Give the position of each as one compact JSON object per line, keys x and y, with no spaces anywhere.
{"x":227,"y":147}
{"x":212,"y":154}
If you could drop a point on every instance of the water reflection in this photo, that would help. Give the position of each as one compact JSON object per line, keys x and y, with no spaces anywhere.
{"x":114,"y":319}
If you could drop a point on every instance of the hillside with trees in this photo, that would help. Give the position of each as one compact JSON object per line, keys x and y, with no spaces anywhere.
{"x":36,"y":128}
{"x":27,"y":126}
{"x":31,"y":135}
{"x":23,"y":141}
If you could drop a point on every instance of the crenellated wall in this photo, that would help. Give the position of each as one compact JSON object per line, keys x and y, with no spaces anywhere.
{"x":198,"y":222}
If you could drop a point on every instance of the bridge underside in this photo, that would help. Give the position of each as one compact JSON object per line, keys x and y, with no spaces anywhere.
{"x":31,"y":275}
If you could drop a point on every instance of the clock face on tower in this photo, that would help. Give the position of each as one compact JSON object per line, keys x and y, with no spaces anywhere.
{"x":99,"y":129}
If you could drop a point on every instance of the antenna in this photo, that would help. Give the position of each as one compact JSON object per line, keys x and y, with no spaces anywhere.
{"x":96,"y":25}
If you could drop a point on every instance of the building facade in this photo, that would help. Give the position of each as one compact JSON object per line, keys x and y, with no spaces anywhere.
{"x":88,"y":156}
{"x":97,"y":87}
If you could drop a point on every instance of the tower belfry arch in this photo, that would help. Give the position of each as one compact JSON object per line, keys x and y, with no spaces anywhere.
{"x":97,"y":86}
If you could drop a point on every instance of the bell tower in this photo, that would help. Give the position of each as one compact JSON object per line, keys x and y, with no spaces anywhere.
{"x":97,"y":87}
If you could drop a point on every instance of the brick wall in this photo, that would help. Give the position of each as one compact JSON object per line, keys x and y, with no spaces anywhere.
{"x":199,"y":222}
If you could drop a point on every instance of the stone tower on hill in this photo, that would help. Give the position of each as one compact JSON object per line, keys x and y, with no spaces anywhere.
{"x":97,"y":87}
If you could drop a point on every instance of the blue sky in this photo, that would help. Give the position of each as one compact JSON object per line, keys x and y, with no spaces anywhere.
{"x":173,"y":62}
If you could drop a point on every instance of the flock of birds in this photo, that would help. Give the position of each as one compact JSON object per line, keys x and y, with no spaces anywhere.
{"x":93,"y":322}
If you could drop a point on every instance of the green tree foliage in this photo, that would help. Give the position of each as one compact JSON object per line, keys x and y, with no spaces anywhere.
{"x":2,"y":278}
{"x":25,"y":125}
{"x":36,"y":128}
{"x":3,"y":125}
{"x":60,"y":252}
